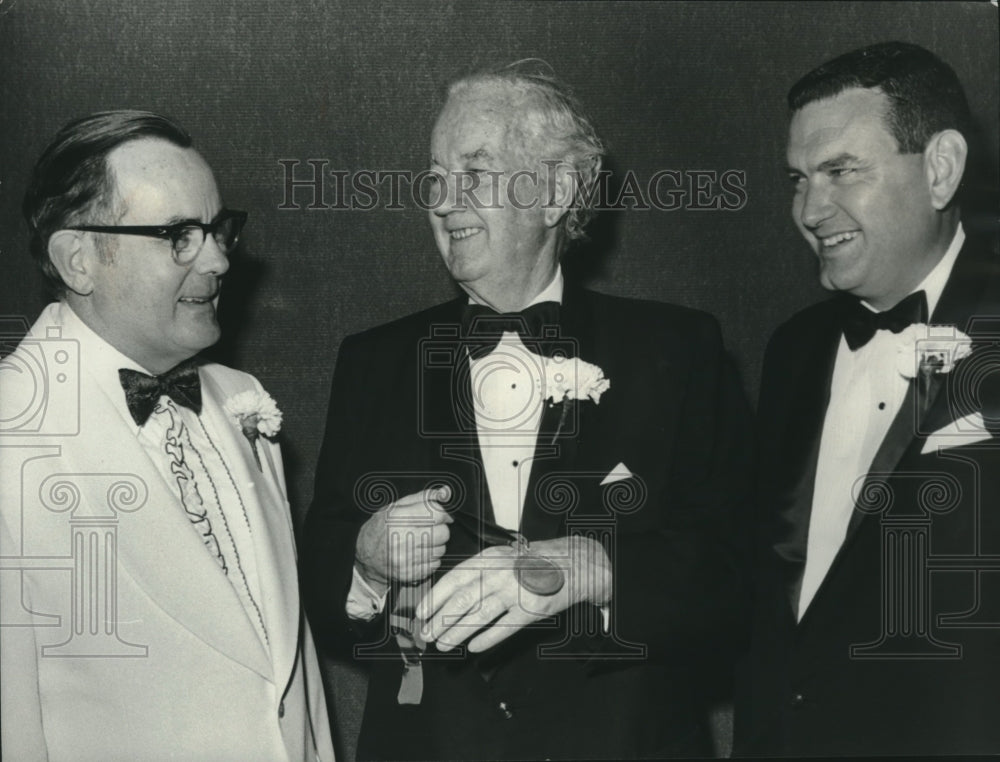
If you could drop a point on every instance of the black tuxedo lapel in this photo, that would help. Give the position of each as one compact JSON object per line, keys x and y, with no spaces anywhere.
{"x":807,"y":396}
{"x":924,"y":411}
{"x":897,"y":439}
{"x":971,"y":290}
{"x":965,"y":296}
{"x":556,"y":447}
{"x":971,"y":302}
{"x":447,"y":439}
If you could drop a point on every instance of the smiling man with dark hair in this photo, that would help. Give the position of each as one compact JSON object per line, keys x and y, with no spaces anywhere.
{"x":877,"y":628}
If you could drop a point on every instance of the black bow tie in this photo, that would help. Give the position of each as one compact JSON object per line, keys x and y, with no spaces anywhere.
{"x":484,"y":327}
{"x":142,"y":391}
{"x":860,"y":323}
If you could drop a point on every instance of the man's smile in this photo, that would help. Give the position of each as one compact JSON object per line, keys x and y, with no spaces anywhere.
{"x":837,"y":239}
{"x":462,"y":233}
{"x":208,"y":299}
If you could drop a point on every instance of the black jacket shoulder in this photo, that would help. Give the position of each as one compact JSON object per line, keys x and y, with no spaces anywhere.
{"x":808,"y":319}
{"x":660,"y":321}
{"x":641,"y":309}
{"x":410,"y":325}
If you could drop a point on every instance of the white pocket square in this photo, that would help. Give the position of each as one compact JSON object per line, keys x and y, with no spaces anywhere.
{"x":964,"y":431}
{"x":617,"y":473}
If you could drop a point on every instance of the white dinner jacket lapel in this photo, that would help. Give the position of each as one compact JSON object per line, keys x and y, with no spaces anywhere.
{"x":157,"y":546}
{"x":269,"y":516}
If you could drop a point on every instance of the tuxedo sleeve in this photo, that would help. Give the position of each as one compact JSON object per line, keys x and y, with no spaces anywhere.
{"x":680,"y":584}
{"x":332,"y":524}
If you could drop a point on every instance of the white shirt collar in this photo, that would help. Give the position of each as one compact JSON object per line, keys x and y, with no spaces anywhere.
{"x":933,"y":285}
{"x":100,"y":355}
{"x":551,"y":293}
{"x":98,"y":358}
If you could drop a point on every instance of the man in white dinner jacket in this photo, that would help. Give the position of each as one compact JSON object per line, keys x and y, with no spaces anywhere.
{"x":148,"y":570}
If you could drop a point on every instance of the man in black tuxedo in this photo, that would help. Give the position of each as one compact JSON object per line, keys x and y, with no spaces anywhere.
{"x":608,"y":433}
{"x":877,"y":623}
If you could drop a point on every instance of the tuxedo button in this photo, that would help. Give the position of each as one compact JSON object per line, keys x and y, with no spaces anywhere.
{"x":281,"y":710}
{"x":505,"y":711}
{"x":798,"y":700}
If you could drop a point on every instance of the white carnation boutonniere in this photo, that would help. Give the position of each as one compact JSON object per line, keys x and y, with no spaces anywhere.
{"x":925,"y":351}
{"x":255,"y":413}
{"x":568,"y":379}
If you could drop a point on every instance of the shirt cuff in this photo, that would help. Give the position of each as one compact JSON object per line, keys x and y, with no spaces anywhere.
{"x":606,"y":618}
{"x":362,"y":601}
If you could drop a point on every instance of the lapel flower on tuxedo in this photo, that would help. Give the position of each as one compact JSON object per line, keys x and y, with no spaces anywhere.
{"x":568,"y":379}
{"x":925,"y":351}
{"x":255,"y":413}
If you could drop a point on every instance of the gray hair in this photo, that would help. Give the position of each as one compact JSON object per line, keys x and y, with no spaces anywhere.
{"x":552,"y":125}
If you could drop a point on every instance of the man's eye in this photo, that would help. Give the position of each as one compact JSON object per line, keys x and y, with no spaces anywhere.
{"x":184,"y":239}
{"x":842,"y":171}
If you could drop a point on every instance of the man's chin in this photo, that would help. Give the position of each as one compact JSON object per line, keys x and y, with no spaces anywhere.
{"x":463,"y":270}
{"x":204,"y":337}
{"x":834,"y":277}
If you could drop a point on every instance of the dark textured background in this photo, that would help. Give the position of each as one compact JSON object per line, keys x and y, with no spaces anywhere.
{"x":685,"y":86}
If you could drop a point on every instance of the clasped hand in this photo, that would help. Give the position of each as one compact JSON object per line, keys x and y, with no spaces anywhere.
{"x":404,"y":541}
{"x":482,"y":595}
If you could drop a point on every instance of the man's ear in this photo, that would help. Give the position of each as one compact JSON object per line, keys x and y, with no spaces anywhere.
{"x":944,"y":165}
{"x":561,"y":190}
{"x":73,"y":257}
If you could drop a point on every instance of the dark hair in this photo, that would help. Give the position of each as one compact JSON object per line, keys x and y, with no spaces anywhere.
{"x":71,"y":179}
{"x":924,"y":93}
{"x":553,"y":116}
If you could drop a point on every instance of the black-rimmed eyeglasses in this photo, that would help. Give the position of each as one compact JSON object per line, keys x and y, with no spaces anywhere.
{"x":187,"y":237}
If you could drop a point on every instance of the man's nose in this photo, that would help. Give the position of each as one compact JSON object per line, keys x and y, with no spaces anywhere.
{"x":448,"y":191}
{"x":816,"y":205}
{"x":211,"y":260}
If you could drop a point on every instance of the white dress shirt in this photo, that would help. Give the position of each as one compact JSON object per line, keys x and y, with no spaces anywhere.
{"x":507,"y":394}
{"x":507,"y":389}
{"x":866,"y":393}
{"x":210,"y":485}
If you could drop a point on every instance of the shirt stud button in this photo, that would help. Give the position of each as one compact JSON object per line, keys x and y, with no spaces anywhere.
{"x":281,"y":710}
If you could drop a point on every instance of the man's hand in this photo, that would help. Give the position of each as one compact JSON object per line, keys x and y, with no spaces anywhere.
{"x":404,"y":541}
{"x":484,"y":589}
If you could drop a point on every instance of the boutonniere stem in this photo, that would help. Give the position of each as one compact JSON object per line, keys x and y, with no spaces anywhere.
{"x":930,"y":350}
{"x":563,"y":415}
{"x":256,"y":414}
{"x":568,"y":379}
{"x":925,"y":352}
